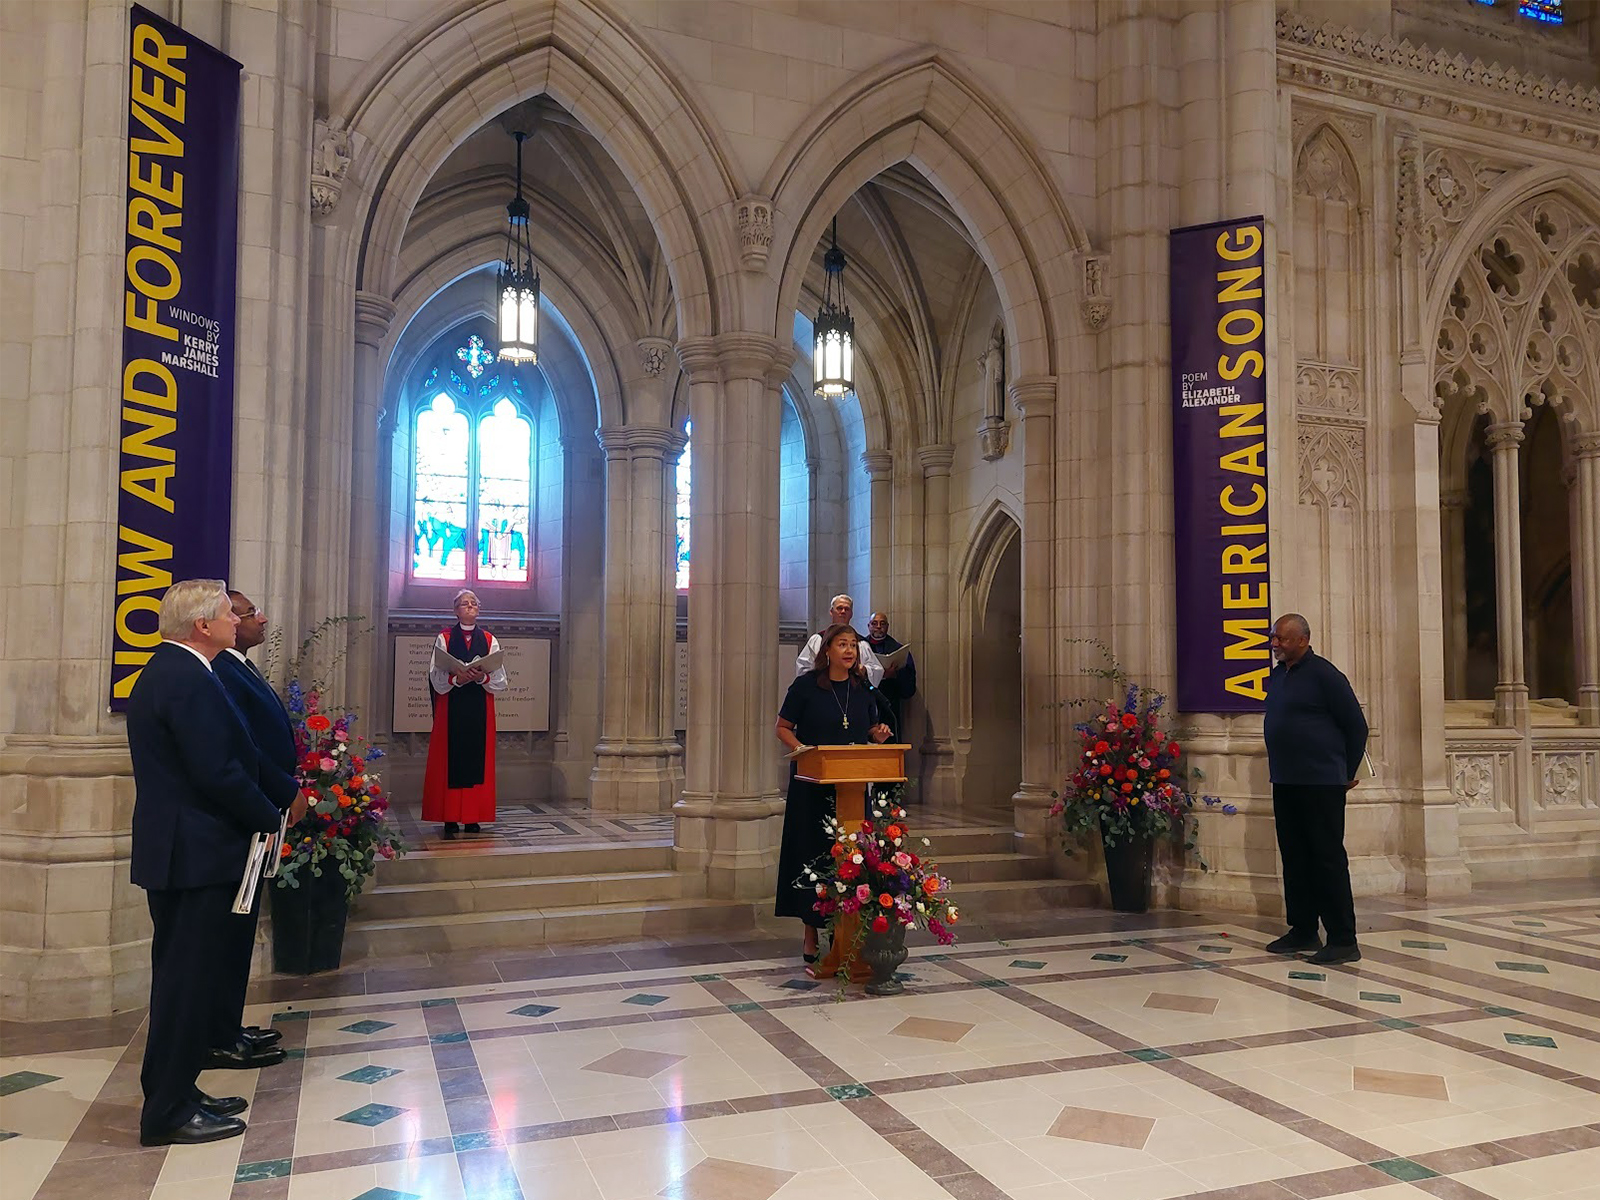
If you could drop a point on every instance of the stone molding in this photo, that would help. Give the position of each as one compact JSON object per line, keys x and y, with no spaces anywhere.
{"x":639,"y":441}
{"x":727,"y":357}
{"x":753,"y":215}
{"x":374,"y":315}
{"x":1504,"y":434}
{"x":936,"y":459}
{"x":1399,"y":74}
{"x":1096,"y":304}
{"x":654,"y":353}
{"x":330,"y":163}
{"x":994,"y":438}
{"x":1034,"y":396}
{"x":878,"y":464}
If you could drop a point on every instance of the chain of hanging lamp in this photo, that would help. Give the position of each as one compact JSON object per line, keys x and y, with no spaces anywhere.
{"x":519,"y":281}
{"x":833,"y":363}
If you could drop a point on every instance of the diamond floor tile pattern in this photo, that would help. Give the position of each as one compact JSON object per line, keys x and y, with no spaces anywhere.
{"x":635,"y":1064}
{"x":724,"y":1179}
{"x":932,"y":1029}
{"x":1104,"y":1128}
{"x":1400,"y":1083}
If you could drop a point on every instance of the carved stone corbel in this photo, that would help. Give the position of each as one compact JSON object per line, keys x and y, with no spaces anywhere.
{"x":330,"y":163}
{"x":994,"y":437}
{"x":753,"y":215}
{"x":1096,"y":303}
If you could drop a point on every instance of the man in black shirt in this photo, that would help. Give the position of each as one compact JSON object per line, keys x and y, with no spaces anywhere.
{"x":1316,"y":737}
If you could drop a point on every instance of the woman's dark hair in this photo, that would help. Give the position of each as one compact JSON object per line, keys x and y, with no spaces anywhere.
{"x":820,"y":670}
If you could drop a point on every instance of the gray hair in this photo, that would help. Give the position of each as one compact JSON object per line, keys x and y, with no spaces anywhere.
{"x":841,"y":597}
{"x":464,"y":592}
{"x":1305,"y":625}
{"x":188,"y":601}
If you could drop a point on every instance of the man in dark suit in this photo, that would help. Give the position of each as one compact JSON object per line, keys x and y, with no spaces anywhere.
{"x":899,"y":684}
{"x":198,"y":798}
{"x":233,"y":1044}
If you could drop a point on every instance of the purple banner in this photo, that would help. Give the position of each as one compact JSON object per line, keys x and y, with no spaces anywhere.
{"x":1219,"y":465}
{"x":180,"y":266}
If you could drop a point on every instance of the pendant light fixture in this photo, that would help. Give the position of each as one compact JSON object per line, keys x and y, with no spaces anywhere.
{"x":833,"y":363}
{"x":519,"y":281}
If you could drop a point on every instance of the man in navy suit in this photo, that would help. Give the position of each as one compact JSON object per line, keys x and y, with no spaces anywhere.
{"x":233,"y":1044}
{"x":199,"y":794}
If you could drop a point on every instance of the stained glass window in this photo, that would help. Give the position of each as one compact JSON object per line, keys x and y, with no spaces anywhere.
{"x":1548,"y":11}
{"x":505,"y":459}
{"x":439,"y":527}
{"x":476,"y":355}
{"x":685,"y":476}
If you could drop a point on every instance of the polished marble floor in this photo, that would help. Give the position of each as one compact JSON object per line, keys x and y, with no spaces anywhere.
{"x":1059,"y":1057}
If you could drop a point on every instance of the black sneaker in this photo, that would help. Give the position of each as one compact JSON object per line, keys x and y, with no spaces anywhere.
{"x":1330,"y":955}
{"x":1294,"y":942}
{"x":450,"y":830}
{"x":472,"y":827}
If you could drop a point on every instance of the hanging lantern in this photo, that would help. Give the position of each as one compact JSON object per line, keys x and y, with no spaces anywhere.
{"x":833,"y":363}
{"x":519,"y":282}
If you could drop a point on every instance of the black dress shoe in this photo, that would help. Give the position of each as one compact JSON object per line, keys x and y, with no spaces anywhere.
{"x":243,"y":1058}
{"x":473,"y":827}
{"x":223,"y":1106}
{"x":203,"y":1127}
{"x":260,"y":1039}
{"x":1294,"y":943}
{"x":1333,"y":955}
{"x":450,"y":830}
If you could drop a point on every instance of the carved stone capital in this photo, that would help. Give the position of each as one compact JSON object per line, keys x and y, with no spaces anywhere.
{"x":1586,"y":445}
{"x":653,"y":355}
{"x":330,"y":163}
{"x":878,"y":464}
{"x":936,"y":458}
{"x":1096,"y":303}
{"x":374,"y":315}
{"x":639,"y":441}
{"x":1034,"y":396}
{"x":1504,"y":434}
{"x":994,"y":437}
{"x":753,"y":215}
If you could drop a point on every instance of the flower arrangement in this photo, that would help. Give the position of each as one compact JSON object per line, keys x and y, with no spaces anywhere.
{"x":1130,"y":779}
{"x":873,"y":871}
{"x":347,"y":821}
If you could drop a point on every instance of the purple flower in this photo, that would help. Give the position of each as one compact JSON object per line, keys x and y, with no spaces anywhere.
{"x":1229,"y":809}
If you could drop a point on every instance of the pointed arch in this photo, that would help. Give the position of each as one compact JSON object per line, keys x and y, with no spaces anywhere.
{"x":463,"y":64}
{"x":1325,"y":167}
{"x":919,"y":108}
{"x":999,"y":524}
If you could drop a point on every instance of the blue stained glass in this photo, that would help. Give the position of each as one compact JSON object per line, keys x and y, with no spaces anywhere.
{"x":433,"y":378}
{"x":439,"y":520}
{"x":1548,"y":11}
{"x":476,"y":355}
{"x":684,"y":480}
{"x":505,"y":455}
{"x":490,"y":386}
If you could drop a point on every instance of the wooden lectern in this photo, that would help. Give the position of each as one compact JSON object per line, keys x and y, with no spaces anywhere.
{"x":850,"y":769}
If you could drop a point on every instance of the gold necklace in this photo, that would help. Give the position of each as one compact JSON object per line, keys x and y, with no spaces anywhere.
{"x":844,"y":711}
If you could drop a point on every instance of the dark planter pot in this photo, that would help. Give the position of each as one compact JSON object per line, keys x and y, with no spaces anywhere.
{"x":883,"y":953}
{"x":308,"y":923}
{"x":1128,"y":865}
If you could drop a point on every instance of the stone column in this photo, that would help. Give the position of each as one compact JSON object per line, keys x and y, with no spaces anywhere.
{"x":1586,"y":574}
{"x":1035,"y":398}
{"x":1453,"y":522}
{"x":574,"y":729}
{"x":638,"y":763}
{"x":1504,"y":442}
{"x":727,"y":822}
{"x":879,"y":466}
{"x":937,"y":668}
{"x":368,"y":588}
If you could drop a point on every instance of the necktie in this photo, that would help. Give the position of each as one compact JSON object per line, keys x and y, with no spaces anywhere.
{"x":254,"y":670}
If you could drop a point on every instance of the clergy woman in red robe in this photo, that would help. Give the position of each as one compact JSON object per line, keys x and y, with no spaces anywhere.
{"x":458,"y":786}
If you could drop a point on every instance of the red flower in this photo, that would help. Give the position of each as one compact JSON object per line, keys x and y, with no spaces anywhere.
{"x":1163,"y":773}
{"x":1129,"y":721}
{"x":837,"y":851}
{"x":849,"y":870}
{"x":1101,"y":747}
{"x":318,"y":723}
{"x":1172,"y":749}
{"x":1127,"y":787}
{"x":1105,"y":769}
{"x":880,"y":924}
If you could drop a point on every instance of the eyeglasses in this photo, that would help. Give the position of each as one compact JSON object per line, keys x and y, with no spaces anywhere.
{"x":252,"y":611}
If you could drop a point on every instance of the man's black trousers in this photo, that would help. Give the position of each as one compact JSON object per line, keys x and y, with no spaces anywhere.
{"x":1316,"y":871}
{"x":193,"y":928}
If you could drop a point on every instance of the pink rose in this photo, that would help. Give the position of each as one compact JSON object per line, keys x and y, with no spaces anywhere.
{"x":863,"y":893}
{"x":327,"y":764}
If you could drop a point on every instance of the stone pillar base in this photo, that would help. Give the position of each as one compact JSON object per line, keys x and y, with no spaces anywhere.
{"x":939,"y":784}
{"x":1036,"y":828}
{"x":74,"y":931}
{"x":733,"y":841}
{"x":636,"y":777}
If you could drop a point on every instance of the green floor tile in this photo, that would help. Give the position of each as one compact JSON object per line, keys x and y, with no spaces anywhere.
{"x":1146,"y":1054}
{"x":1215,"y":949}
{"x":481,"y":1140}
{"x":1531,"y":1039}
{"x":1307,"y":975}
{"x":1108,"y":958}
{"x":646,"y":999}
{"x":705,"y":978}
{"x":1397,"y":1023}
{"x":800,"y":985}
{"x":534,"y":1010}
{"x":1414,"y":945}
{"x":367,"y":1027}
{"x":21,"y":1081}
{"x":993,"y":983}
{"x":746,"y":1006}
{"x":1534,"y":968}
{"x":448,"y":1039}
{"x":1404,"y":1169}
{"x":372,"y":1074}
{"x":1530,"y":924}
{"x":296,"y":1052}
{"x":275,"y":1168}
{"x":285,"y":1017}
{"x":6,"y":1135}
{"x":383,"y":1193}
{"x":849,"y":1091}
{"x":1027,"y":964}
{"x":371,"y":1114}
{"x":440,"y":1002}
{"x":1494,"y":1010}
{"x":1382,"y":997}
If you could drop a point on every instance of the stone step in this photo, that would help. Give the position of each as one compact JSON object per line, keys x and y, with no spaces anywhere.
{"x":477,"y":864}
{"x":976,"y":900}
{"x":966,"y":839}
{"x":368,"y":938}
{"x":397,"y":901}
{"x":992,"y":868}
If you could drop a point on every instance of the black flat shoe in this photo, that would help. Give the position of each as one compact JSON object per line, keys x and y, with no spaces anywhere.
{"x":243,"y":1058}
{"x":1294,"y":943}
{"x":810,"y":958}
{"x":260,"y":1039}
{"x":201,"y":1128}
{"x":222,"y":1106}
{"x":450,"y":831}
{"x":473,"y":827}
{"x":1333,"y":955}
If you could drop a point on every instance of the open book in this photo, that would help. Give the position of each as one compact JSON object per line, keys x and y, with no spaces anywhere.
{"x":798,"y":751}
{"x":443,"y":660}
{"x":895,"y":659}
{"x":262,"y":862}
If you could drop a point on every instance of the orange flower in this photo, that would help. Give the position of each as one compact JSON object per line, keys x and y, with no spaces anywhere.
{"x":345,"y":802}
{"x":318,"y":723}
{"x":837,"y":851}
{"x":284,"y":852}
{"x":895,"y":831}
{"x":930,"y":884}
{"x":886,"y":900}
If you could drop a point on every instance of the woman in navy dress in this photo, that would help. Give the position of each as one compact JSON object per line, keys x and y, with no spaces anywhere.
{"x":831,"y":705}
